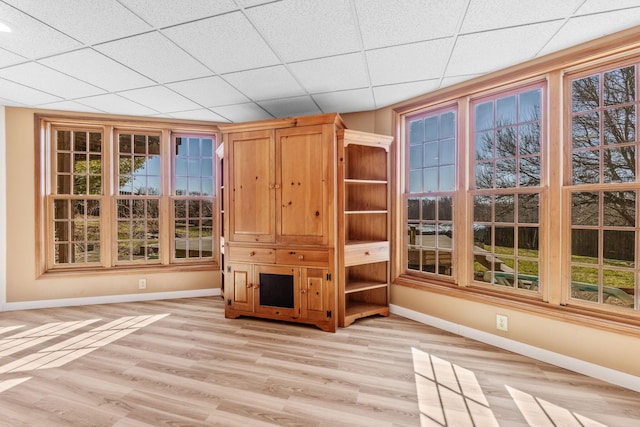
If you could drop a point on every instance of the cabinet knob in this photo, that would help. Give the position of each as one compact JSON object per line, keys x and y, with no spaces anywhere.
{"x":303,"y":291}
{"x":367,"y":253}
{"x":249,"y":285}
{"x":301,"y":257}
{"x":252,"y":253}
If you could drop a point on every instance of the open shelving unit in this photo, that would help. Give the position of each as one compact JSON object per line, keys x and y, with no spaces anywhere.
{"x":364,"y":225}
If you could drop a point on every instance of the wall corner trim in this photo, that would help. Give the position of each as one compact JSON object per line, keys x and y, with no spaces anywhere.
{"x":603,"y":373}
{"x":109,"y":299}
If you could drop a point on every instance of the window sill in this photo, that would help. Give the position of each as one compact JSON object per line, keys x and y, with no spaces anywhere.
{"x":130,"y":269}
{"x":601,"y":319}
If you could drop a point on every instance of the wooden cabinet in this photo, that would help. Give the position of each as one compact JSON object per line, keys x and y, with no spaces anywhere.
{"x":306,"y":221}
{"x":280,"y":219}
{"x":364,"y":225}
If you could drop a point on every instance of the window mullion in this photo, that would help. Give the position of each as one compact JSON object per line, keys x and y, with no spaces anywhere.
{"x":166,"y":213}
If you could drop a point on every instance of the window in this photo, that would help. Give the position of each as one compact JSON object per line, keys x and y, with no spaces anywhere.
{"x":506,"y":177}
{"x":602,"y":188}
{"x":116,"y":196}
{"x":431,"y":185}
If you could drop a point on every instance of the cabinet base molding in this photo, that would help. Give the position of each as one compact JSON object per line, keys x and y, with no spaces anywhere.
{"x":325,"y":325}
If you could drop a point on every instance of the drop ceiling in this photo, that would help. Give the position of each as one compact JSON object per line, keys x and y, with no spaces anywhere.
{"x":242,"y":60}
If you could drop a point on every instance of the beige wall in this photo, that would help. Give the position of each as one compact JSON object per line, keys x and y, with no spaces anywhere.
{"x":21,"y":281}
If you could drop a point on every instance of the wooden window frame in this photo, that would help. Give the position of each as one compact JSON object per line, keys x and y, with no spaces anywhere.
{"x":45,"y":125}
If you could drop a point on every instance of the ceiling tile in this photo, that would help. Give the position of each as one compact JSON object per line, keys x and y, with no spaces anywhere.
{"x":8,"y":58}
{"x":47,"y":80}
{"x":115,"y":104}
{"x":163,"y":13}
{"x":154,"y":56}
{"x":584,"y":28}
{"x":95,"y":68}
{"x":288,"y":107}
{"x":209,"y":91}
{"x":316,"y":29}
{"x":331,"y":74}
{"x":494,"y":50}
{"x":160,"y":99}
{"x":225,"y":43}
{"x":406,"y":63}
{"x":484,"y":15}
{"x":265,"y":83}
{"x":201,"y":114}
{"x":386,"y":23}
{"x":30,"y":37}
{"x":597,"y":6}
{"x":347,"y":101}
{"x":88,"y":21}
{"x":24,"y":95}
{"x":9,"y":103}
{"x":242,"y":112}
{"x":69,"y":106}
{"x":391,"y":94}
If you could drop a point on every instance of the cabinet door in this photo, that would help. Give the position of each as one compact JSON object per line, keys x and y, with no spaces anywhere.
{"x":239,"y":286}
{"x":302,"y":203}
{"x":276,"y":290}
{"x":252,"y":185}
{"x":315,"y":294}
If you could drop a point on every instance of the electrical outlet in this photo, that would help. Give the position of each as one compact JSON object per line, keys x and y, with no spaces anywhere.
{"x":142,"y":284}
{"x":502,"y":322}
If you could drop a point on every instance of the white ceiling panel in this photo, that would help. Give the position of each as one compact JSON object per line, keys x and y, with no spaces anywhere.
{"x":493,"y":50}
{"x":200,"y":114}
{"x":30,"y":37}
{"x":599,"y":6}
{"x":161,"y":99}
{"x":266,"y":83}
{"x":8,"y":58}
{"x":88,"y":21}
{"x":333,"y":73}
{"x":410,"y":62}
{"x":287,"y":107}
{"x":97,"y":69}
{"x":225,"y":43}
{"x":24,"y":95}
{"x":69,"y":106}
{"x":390,"y":94}
{"x":47,"y":80}
{"x":155,"y":57}
{"x":209,"y":91}
{"x":244,"y":60}
{"x":486,"y":15}
{"x":116,"y":104}
{"x":316,"y":29}
{"x":584,"y":28}
{"x":346,"y":101}
{"x":242,"y":112}
{"x":163,"y":13}
{"x":385,"y":24}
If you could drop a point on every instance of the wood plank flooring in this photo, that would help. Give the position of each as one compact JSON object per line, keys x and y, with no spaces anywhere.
{"x":181,"y":363}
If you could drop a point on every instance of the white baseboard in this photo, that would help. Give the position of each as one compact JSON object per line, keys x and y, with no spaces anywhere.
{"x":576,"y":365}
{"x":109,"y":299}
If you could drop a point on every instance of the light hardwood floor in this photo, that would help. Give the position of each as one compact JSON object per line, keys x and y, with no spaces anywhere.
{"x":181,"y":363}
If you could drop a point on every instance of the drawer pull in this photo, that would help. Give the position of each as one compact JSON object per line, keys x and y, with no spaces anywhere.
{"x":300,"y":257}
{"x":252,"y":253}
{"x":367,"y":253}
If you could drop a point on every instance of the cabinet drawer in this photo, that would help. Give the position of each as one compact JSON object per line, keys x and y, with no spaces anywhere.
{"x":365,"y":253}
{"x":262,"y":255}
{"x":302,"y":257}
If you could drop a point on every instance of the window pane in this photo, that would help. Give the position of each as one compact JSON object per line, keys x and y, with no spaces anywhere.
{"x":430,"y":179}
{"x":530,"y":171}
{"x":619,"y":248}
{"x":528,"y":208}
{"x":482,"y":208}
{"x":585,"y":130}
{"x":429,"y":208}
{"x":447,"y":178}
{"x":529,"y":106}
{"x":506,"y":111}
{"x":447,"y":125}
{"x":415,"y":157}
{"x":619,"y":164}
{"x":619,"y":208}
{"x":619,"y":86}
{"x":484,"y":145}
{"x":586,"y":167}
{"x":484,"y":175}
{"x":506,"y":173}
{"x":529,"y":142}
{"x":584,"y":246}
{"x":528,"y":241}
{"x":445,"y":208}
{"x":505,"y":208}
{"x":620,"y":125}
{"x":585,"y":93}
{"x":431,"y":154}
{"x":416,"y":132}
{"x":484,"y":116}
{"x":63,"y":140}
{"x":431,"y":128}
{"x":618,"y":288}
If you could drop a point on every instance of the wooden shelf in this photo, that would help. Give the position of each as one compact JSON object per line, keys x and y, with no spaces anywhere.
{"x":365,"y":212}
{"x":362,"y":286}
{"x":365,"y":181}
{"x":359,"y":310}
